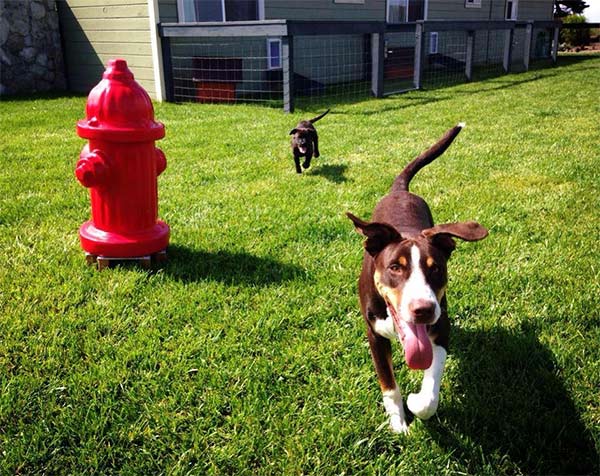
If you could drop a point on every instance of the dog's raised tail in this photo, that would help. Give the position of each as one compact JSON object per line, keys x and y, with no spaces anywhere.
{"x":315,"y":119}
{"x":401,"y":182}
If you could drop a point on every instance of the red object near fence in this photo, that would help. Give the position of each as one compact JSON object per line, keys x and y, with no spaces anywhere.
{"x":215,"y":92}
{"x":120,"y":165}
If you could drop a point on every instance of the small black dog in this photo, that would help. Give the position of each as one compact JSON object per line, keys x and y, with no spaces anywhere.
{"x":305,"y":142}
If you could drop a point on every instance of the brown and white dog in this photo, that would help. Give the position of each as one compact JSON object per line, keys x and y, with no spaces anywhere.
{"x":305,"y":142}
{"x":402,"y":287}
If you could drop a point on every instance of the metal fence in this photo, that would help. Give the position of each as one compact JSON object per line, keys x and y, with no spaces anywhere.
{"x":287,"y":63}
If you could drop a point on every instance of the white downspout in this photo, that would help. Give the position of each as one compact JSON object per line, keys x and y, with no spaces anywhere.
{"x":157,"y":64}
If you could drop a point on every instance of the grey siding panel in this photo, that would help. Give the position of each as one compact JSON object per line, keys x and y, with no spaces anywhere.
{"x":490,"y":9}
{"x":95,"y":31}
{"x":535,"y":10}
{"x":456,"y":10}
{"x":325,"y":10}
{"x":167,"y":11}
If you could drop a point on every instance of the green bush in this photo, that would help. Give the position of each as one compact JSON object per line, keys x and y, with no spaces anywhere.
{"x":574,"y":36}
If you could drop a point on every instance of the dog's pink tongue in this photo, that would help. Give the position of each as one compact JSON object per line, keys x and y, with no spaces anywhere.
{"x":417,"y":346}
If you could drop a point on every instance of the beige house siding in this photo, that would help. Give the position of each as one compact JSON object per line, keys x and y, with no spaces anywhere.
{"x":95,"y":31}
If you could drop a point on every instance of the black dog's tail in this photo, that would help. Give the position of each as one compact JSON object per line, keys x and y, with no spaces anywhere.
{"x":315,"y":119}
{"x":437,"y":149}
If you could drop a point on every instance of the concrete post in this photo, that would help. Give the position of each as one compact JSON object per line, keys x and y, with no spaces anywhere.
{"x":377,"y":59}
{"x":287,"y":57}
{"x":527,"y":45}
{"x":469,"y":55}
{"x":419,"y":54}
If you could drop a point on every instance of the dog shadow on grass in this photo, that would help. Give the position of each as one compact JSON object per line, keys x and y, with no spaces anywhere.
{"x":512,"y":404}
{"x":241,"y":268}
{"x":333,"y":173}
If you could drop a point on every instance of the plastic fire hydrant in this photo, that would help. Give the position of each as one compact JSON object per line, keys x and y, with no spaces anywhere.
{"x":120,"y":166}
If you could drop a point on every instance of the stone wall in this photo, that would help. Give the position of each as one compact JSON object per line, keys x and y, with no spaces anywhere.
{"x":31,"y":58}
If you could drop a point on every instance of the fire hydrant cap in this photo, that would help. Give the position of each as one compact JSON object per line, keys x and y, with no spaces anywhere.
{"x":119,"y":109}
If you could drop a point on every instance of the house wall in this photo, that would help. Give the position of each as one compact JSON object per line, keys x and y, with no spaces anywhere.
{"x":325,"y":10}
{"x":167,"y":11}
{"x":329,"y":10}
{"x":456,"y":10}
{"x":95,"y":31}
{"x":535,"y":10}
{"x":302,"y":10}
{"x":490,"y":10}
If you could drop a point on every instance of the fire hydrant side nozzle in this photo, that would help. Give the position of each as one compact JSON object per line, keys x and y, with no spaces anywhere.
{"x":93,"y":168}
{"x":120,"y":165}
{"x":161,"y":161}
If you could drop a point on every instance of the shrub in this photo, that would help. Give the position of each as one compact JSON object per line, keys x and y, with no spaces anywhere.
{"x":574,"y":36}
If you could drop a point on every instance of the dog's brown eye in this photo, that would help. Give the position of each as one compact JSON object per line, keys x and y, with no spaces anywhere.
{"x":432,"y":266}
{"x":395,"y":267}
{"x":434,"y":269}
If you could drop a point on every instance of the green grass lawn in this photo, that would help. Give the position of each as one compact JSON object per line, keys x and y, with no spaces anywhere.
{"x":246,"y":354}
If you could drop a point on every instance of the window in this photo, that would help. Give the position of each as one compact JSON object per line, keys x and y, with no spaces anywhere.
{"x":433,"y":43}
{"x":402,"y":11}
{"x":472,"y":3}
{"x":274,"y":52}
{"x":511,"y":9}
{"x":220,"y":10}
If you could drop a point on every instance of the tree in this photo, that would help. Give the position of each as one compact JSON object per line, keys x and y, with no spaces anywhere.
{"x":563,"y":8}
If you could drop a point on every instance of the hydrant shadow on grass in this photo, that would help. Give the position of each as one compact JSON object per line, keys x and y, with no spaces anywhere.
{"x":237,"y":267}
{"x":513,"y":405}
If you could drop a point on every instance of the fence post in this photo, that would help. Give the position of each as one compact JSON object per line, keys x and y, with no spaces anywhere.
{"x":527,"y":45}
{"x":555,"y":44}
{"x":419,"y":53}
{"x":287,"y":56}
{"x":508,"y":41}
{"x":469,"y":55}
{"x":377,"y":59}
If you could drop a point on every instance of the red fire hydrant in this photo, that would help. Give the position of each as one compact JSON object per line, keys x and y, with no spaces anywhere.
{"x":120,"y":166}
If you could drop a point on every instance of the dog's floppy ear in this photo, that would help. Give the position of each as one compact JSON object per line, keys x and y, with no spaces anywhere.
{"x":293,"y":131}
{"x":441,"y":235}
{"x":378,"y":235}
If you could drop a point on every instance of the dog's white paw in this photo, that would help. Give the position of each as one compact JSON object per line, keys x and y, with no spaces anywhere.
{"x":398,"y":424}
{"x":422,"y":405}
{"x":392,"y":401}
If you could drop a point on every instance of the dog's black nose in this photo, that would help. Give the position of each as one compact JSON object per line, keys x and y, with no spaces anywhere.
{"x":422,"y":310}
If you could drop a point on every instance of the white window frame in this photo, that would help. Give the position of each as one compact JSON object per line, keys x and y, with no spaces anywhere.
{"x":433,"y":42}
{"x":181,"y":10}
{"x":514,"y":11}
{"x":270,"y":41}
{"x":387,"y":9}
{"x":472,"y":3}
